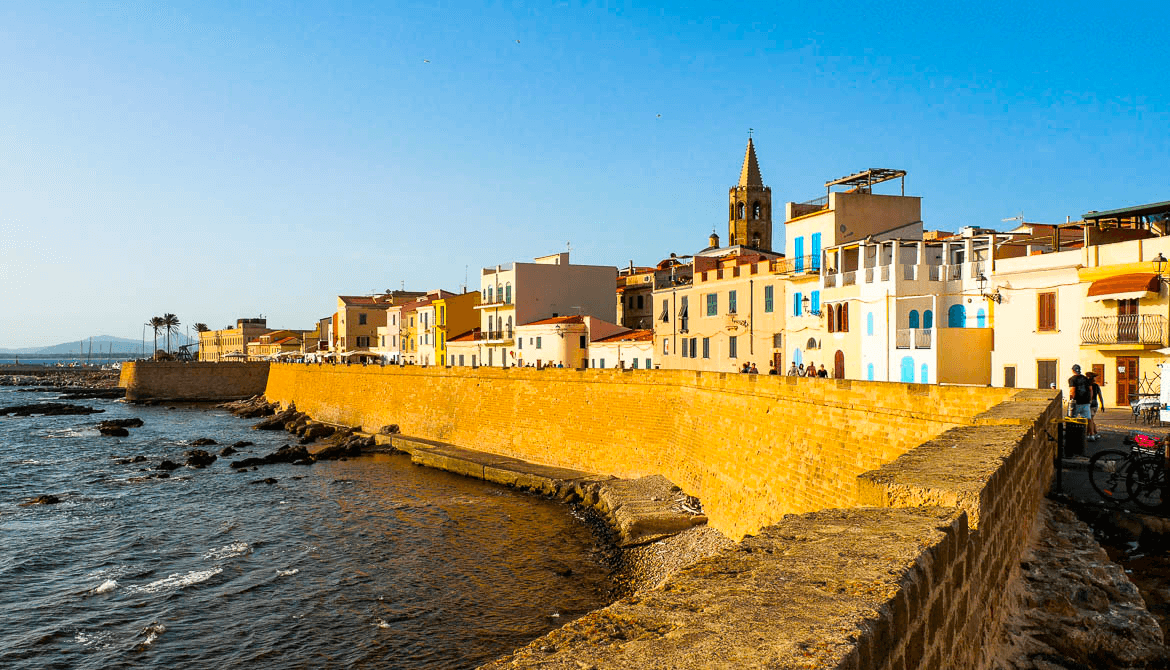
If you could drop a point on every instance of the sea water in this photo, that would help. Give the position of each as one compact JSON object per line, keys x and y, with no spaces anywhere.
{"x":370,"y":562}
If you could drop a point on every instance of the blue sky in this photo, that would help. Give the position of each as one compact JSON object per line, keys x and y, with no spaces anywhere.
{"x":223,"y":160}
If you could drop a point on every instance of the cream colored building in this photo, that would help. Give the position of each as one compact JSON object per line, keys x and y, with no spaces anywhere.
{"x":230,"y":344}
{"x":523,"y":293}
{"x":1101,"y":304}
{"x":632,"y":349}
{"x":464,"y":350}
{"x":560,"y":340}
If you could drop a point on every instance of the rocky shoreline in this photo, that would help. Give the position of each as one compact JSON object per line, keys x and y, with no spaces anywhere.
{"x":58,"y":378}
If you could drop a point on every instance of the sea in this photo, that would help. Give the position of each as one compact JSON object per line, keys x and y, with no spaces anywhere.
{"x":366,"y":563}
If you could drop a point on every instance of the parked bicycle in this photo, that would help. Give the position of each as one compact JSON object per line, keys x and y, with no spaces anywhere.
{"x":1111,"y":470}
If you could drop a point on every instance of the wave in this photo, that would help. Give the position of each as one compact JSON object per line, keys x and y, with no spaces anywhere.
{"x":178,"y":581}
{"x":152,"y":632}
{"x":106,"y":587}
{"x":229,"y":551}
{"x":287,"y":573}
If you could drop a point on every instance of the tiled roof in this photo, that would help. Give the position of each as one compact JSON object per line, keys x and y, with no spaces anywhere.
{"x":469,"y":336}
{"x":557,"y":319}
{"x":361,"y":300}
{"x":628,"y":336}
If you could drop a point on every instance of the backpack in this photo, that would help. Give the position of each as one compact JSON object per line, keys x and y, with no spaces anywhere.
{"x":1082,"y":391}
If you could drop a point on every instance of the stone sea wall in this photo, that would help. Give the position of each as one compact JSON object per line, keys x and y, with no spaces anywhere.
{"x":881,"y":525}
{"x":167,"y":381}
{"x":752,"y":447}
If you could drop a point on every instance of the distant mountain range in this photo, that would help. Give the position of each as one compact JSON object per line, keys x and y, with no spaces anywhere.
{"x":102,"y":343}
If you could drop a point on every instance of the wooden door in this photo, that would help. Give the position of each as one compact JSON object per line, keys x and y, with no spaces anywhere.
{"x":1046,"y":375}
{"x":1127,"y":379}
{"x":778,"y":363}
{"x":839,"y":365}
{"x":1127,"y":320}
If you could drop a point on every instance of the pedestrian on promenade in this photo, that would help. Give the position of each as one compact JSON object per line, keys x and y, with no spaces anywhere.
{"x":754,"y":370}
{"x":772,"y":368}
{"x":745,"y":368}
{"x":1080,"y":394}
{"x":800,"y":370}
{"x":823,"y":373}
{"x":1096,"y":404}
{"x":792,"y":371}
{"x":811,"y":370}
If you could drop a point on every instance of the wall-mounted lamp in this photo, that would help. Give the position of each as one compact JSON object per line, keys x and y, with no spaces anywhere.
{"x":804,"y":305}
{"x":996,"y":297}
{"x":1159,"y":263}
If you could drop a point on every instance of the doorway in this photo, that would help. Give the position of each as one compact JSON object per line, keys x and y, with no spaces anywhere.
{"x":1046,"y":375}
{"x":839,"y":365}
{"x":1127,"y":320}
{"x":1127,"y":379}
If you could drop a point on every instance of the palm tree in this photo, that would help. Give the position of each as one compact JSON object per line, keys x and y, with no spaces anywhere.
{"x":201,"y":328}
{"x":156,"y":324}
{"x":171,"y":325}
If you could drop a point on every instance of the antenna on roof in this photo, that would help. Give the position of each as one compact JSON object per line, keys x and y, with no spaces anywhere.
{"x":1019,"y":217}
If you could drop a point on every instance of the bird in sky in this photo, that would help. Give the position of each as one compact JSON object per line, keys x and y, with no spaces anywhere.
{"x":426,"y":61}
{"x":517,"y":41}
{"x":660,"y":116}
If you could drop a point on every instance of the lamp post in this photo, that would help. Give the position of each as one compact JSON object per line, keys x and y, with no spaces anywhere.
{"x":1159,"y":266}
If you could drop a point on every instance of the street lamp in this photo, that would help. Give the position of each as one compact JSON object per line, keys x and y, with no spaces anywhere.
{"x":994,"y":297}
{"x":804,"y":303}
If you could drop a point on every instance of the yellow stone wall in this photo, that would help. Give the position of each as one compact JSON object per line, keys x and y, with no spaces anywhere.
{"x":149,"y":380}
{"x":752,"y":447}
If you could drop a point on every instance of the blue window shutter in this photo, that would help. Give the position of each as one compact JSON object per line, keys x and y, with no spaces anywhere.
{"x":913,"y":318}
{"x":869,"y":325}
{"x":816,"y":301}
{"x":796,"y":304}
{"x":815,"y":250}
{"x":798,"y":252}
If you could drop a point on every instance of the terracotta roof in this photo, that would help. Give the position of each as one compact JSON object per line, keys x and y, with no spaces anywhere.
{"x":469,"y":336}
{"x":557,"y":319}
{"x":628,"y":336}
{"x":1136,"y":283}
{"x":362,"y":300}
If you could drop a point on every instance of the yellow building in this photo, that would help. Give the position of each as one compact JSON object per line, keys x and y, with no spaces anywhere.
{"x":358,"y":317}
{"x":230,"y":344}
{"x":455,"y":315}
{"x":276,"y":342}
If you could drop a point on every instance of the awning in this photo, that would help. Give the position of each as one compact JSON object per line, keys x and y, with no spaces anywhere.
{"x":1125,"y":287}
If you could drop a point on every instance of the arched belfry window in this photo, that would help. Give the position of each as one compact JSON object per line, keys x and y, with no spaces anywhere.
{"x":756,"y":210}
{"x":739,"y":211}
{"x":756,"y":241}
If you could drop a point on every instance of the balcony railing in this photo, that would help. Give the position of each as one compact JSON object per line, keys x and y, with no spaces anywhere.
{"x":935,"y":273}
{"x":909,"y":272}
{"x":919,"y":338}
{"x":1126,"y":329}
{"x":885,"y":273}
{"x":849,"y":279}
{"x":830,"y":281}
{"x":798,"y":264}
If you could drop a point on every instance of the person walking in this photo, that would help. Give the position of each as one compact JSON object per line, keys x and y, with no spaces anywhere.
{"x":1096,"y":404}
{"x":811,"y":370}
{"x":754,"y":370}
{"x":1080,"y":394}
{"x":792,"y":371}
{"x":800,"y":370}
{"x":823,"y":373}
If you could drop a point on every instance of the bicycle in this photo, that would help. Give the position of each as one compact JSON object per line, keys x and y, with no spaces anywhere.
{"x":1110,"y":469}
{"x":1145,"y":478}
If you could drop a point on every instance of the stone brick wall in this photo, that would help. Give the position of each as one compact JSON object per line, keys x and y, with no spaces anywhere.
{"x":752,"y":447}
{"x":151,"y":380}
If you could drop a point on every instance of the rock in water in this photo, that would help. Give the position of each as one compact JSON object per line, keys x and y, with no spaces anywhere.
{"x":198,"y":458}
{"x":286,"y":454}
{"x":351,"y":446}
{"x":203,"y":441}
{"x":241,"y":444}
{"x":122,"y":423}
{"x":168,"y":465}
{"x":42,"y":500}
{"x":113,"y":431}
{"x":48,"y":409}
{"x":227,"y":451}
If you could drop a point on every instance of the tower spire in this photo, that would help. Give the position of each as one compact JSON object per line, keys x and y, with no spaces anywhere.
{"x":750,"y":174}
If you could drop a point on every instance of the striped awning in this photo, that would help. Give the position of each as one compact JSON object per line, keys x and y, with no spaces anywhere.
{"x":1125,"y":287}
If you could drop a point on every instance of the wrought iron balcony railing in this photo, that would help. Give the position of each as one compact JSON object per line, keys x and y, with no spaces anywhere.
{"x":1125,"y":329}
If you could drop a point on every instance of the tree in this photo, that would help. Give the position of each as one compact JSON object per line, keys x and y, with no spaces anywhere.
{"x":201,"y":328}
{"x":156,"y":324}
{"x":171,"y":325}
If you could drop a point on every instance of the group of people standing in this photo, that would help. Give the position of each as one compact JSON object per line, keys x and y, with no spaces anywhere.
{"x":1085,"y":399}
{"x":810,"y":371}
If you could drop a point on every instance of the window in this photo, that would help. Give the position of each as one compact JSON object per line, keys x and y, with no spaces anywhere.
{"x":869,"y":323}
{"x":538,"y":342}
{"x":816,"y":302}
{"x":683,"y":318}
{"x":665,"y":315}
{"x":767,"y":299}
{"x":869,"y":372}
{"x":981,"y":318}
{"x":601,"y":362}
{"x":731,"y":347}
{"x":815,"y":251}
{"x":508,"y":293}
{"x":1009,"y":376}
{"x":928,"y":319}
{"x":739,"y":211}
{"x":843,"y":317}
{"x":755,"y":210}
{"x":461,"y":359}
{"x":832,"y":318}
{"x":640,"y":304}
{"x":706,"y":348}
{"x":362,"y":319}
{"x":796,"y":304}
{"x":777,"y":340}
{"x":472,"y":360}
{"x":798,"y":253}
{"x":731,"y":302}
{"x":394,"y":320}
{"x":957,"y":317}
{"x":442,"y":316}
{"x":924,"y":378}
{"x":665,"y":346}
{"x":712,"y":304}
{"x":634,"y":364}
{"x":382,"y":340}
{"x":491,"y":293}
{"x":684,"y":353}
{"x":694,"y":347}
{"x":630,"y":302}
{"x":581,"y":342}
{"x":647,"y":363}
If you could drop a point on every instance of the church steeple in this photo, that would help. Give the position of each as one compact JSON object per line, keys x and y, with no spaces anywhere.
{"x":750,"y":206}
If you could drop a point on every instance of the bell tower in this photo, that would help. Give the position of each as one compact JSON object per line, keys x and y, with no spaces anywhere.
{"x":750,"y":206}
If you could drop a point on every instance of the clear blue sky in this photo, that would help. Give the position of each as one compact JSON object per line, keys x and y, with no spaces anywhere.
{"x":221,"y":160}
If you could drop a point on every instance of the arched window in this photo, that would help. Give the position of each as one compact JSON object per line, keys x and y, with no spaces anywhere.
{"x":913,"y":318}
{"x":925,"y":378}
{"x":869,"y":372}
{"x":797,"y":357}
{"x":981,"y":318}
{"x":907,"y":370}
{"x":739,"y":211}
{"x":491,"y":294}
{"x":811,"y":344}
{"x":957,"y":316}
{"x":509,"y":327}
{"x":843,"y":314}
{"x":928,"y":319}
{"x":869,"y":323}
{"x":755,"y":210}
{"x":508,"y":293}
{"x":755,"y":241}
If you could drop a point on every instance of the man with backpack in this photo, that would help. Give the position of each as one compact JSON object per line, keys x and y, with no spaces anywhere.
{"x":1080,"y":394}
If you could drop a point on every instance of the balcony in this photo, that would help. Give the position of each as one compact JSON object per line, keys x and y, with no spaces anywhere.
{"x":830,"y":280}
{"x":798,"y":265}
{"x":1126,"y":331}
{"x":919,"y":338}
{"x":849,"y":279}
{"x":494,"y":305}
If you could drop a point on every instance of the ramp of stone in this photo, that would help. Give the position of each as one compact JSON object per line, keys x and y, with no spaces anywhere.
{"x":640,"y":511}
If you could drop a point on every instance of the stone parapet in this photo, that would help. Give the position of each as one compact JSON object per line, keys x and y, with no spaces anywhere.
{"x":192,"y":382}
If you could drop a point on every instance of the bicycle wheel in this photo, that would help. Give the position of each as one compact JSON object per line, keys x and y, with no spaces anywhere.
{"x":1145,"y":480}
{"x":1107,"y":471}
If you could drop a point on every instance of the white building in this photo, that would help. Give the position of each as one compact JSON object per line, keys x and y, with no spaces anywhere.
{"x":633,"y":349}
